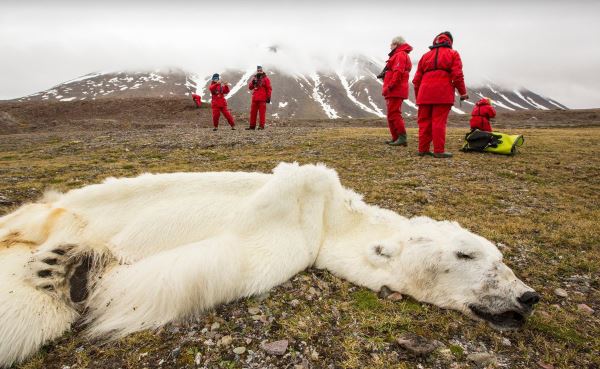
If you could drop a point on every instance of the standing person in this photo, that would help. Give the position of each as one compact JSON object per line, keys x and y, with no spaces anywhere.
{"x":218,"y":90}
{"x":260,"y":85}
{"x":482,"y":114}
{"x":439,"y":73}
{"x":395,"y":88}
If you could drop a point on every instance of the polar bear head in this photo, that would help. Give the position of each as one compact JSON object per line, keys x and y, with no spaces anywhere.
{"x":444,"y":264}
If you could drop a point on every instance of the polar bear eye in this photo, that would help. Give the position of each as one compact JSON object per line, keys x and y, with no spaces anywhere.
{"x":462,"y":255}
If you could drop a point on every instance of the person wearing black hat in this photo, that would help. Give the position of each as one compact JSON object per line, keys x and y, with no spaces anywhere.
{"x":260,"y":85}
{"x":218,"y":90}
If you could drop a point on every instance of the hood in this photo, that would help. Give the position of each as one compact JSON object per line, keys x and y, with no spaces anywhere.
{"x":404,"y":47}
{"x":442,"y":40}
{"x":484,"y":101}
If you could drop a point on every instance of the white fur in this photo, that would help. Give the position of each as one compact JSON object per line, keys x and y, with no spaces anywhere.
{"x":169,"y":246}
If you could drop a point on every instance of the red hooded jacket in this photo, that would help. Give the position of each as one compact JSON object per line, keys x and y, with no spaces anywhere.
{"x":398,"y":66}
{"x":439,"y":73}
{"x":218,"y":92}
{"x":197,"y":100}
{"x":481,"y":115}
{"x":261,"y":88}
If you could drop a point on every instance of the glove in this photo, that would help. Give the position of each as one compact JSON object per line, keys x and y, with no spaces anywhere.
{"x":268,"y":100}
{"x":464,"y":97}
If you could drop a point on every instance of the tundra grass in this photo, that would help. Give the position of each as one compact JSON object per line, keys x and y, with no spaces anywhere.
{"x":541,"y":207}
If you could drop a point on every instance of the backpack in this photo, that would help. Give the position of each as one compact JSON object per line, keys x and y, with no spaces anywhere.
{"x":494,"y":142}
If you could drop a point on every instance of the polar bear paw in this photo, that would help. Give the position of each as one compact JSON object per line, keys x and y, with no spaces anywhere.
{"x":50,"y":270}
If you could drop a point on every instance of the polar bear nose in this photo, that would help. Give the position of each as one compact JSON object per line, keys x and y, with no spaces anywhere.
{"x":529,"y":298}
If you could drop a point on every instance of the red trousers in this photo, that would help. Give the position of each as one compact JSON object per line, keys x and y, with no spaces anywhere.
{"x":217,"y":114}
{"x":394,"y":117}
{"x":481,"y":124}
{"x":258,"y":107}
{"x":432,"y":126}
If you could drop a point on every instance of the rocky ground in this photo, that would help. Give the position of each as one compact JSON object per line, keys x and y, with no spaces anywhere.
{"x":541,"y":207}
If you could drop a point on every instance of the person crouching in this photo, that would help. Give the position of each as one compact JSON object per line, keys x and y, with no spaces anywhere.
{"x":261,"y":89}
{"x":482,"y":114}
{"x":395,"y":88}
{"x":218,"y":90}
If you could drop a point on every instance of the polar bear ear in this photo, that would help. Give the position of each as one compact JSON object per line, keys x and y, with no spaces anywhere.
{"x":381,"y":253}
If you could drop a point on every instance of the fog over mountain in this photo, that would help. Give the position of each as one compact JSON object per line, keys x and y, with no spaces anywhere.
{"x":544,"y":46}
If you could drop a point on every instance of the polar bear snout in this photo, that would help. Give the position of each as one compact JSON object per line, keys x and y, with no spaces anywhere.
{"x":529,"y":299}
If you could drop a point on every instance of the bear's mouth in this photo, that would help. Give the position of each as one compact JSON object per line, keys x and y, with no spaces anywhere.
{"x":509,"y":319}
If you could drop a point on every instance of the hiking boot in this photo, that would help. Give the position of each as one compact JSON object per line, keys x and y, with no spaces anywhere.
{"x":389,"y":142}
{"x":401,"y":141}
{"x":214,"y":129}
{"x":442,"y":155}
{"x":261,"y":128}
{"x":426,"y":153}
{"x":250,"y":128}
{"x":233,"y":128}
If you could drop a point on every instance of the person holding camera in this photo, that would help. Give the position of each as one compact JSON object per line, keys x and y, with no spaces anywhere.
{"x":260,"y":85}
{"x":439,"y":73}
{"x":395,"y":88}
{"x":218,"y":90}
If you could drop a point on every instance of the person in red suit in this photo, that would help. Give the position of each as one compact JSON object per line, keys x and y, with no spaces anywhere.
{"x":439,"y":74}
{"x":197,"y":100}
{"x":395,"y":88}
{"x":260,"y":85}
{"x":482,"y":114}
{"x":218,"y":90}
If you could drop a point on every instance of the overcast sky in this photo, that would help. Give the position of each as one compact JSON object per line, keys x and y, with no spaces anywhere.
{"x":550,"y":47}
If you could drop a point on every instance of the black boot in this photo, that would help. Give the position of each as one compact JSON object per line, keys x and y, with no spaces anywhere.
{"x":442,"y":155}
{"x":250,"y":128}
{"x":426,"y":153}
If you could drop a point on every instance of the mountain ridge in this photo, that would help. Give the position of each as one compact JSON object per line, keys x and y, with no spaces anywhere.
{"x":350,"y":90}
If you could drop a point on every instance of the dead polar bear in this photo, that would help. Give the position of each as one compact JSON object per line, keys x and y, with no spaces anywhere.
{"x":158,"y":248}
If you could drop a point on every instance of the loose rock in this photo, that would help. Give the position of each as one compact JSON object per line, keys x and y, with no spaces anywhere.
{"x":585,"y":309}
{"x":198,"y":359}
{"x":239,"y":350}
{"x":561,"y":293}
{"x":254,"y":311}
{"x":276,"y":347}
{"x":396,"y":296}
{"x":416,"y":344}
{"x":225,"y":341}
{"x":543,"y":365}
{"x":215,"y":326}
{"x":482,"y":358}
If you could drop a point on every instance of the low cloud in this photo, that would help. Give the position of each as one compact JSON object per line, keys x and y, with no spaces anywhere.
{"x":542,"y":45}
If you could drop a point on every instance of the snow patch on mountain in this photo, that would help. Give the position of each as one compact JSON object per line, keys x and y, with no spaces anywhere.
{"x":320,"y":98}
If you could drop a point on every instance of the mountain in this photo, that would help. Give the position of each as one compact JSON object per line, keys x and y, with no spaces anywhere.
{"x":350,"y":90}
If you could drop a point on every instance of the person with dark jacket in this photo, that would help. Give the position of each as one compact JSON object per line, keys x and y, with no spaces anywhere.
{"x":218,"y":90}
{"x":395,"y":88}
{"x":439,"y":74}
{"x":482,"y":114}
{"x":260,"y":85}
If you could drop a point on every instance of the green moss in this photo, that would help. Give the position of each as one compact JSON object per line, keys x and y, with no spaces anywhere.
{"x":366,"y":300}
{"x":457,"y":351}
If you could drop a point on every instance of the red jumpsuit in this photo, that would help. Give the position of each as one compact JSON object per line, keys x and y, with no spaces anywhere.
{"x":197,"y":100}
{"x":261,"y":93}
{"x":481,"y":115}
{"x":439,"y":73}
{"x":395,"y":88}
{"x":219,"y":103}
